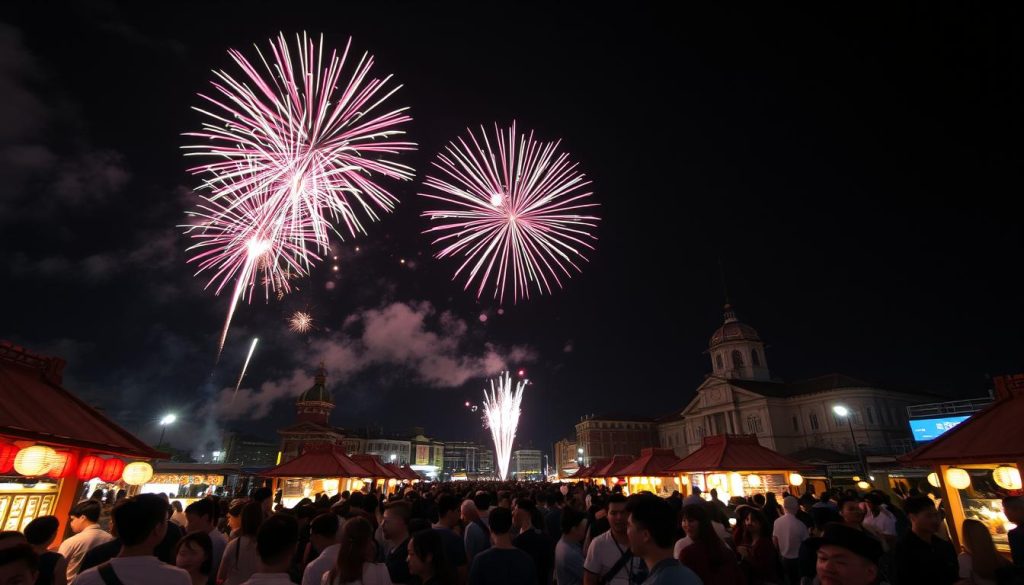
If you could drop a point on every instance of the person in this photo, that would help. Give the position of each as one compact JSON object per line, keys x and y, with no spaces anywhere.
{"x":609,"y":559}
{"x":772,"y":510}
{"x":847,"y":556}
{"x":265,"y":498}
{"x":477,"y":535}
{"x":141,"y":525}
{"x":808,"y":558}
{"x":428,"y":559}
{"x":650,"y":530}
{"x":879,"y":519}
{"x":454,"y":547}
{"x":694,"y":497}
{"x":40,"y":534}
{"x":503,"y":563}
{"x":532,"y":540}
{"x":705,"y":553}
{"x":354,"y":562}
{"x":980,"y":561}
{"x":825,"y":501}
{"x":1013,"y":508}
{"x":276,"y":542}
{"x":9,"y":538}
{"x":921,"y":556}
{"x":240,"y":560}
{"x":395,"y":526}
{"x":568,"y":551}
{"x":324,"y":535}
{"x":788,"y":533}
{"x":234,"y":518}
{"x":19,"y":564}
{"x":178,"y":516}
{"x":553,"y":518}
{"x":84,"y":521}
{"x":194,"y":553}
{"x":201,"y":516}
{"x":758,"y":558}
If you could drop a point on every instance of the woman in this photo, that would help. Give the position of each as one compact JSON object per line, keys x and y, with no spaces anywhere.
{"x":240,"y":555}
{"x":194,"y":553}
{"x":707,"y":555}
{"x":53,"y":567}
{"x":739,"y":530}
{"x":759,"y":558}
{"x":979,"y":561}
{"x":427,"y":559}
{"x":178,"y":517}
{"x":234,"y":518}
{"x":355,"y":564}
{"x":772,"y":510}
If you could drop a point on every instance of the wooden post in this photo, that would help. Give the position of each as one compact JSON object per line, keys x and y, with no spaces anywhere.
{"x":953,"y":506}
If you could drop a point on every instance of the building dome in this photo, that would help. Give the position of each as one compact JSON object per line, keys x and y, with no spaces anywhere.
{"x":318,"y":392}
{"x":732,"y":330}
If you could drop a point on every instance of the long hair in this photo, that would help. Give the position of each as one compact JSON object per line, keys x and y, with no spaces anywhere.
{"x":764,"y":530}
{"x":428,"y":543}
{"x":984,"y":558}
{"x":706,"y":534}
{"x":355,"y":538}
{"x":203,"y":542}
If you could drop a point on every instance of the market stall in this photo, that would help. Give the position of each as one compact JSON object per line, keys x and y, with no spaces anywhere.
{"x":319,"y":470}
{"x":651,"y":473}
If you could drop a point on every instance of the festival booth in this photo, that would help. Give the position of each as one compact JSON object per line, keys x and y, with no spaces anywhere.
{"x":51,"y":443}
{"x":583,"y":474}
{"x":610,"y":474}
{"x":977,"y":463}
{"x":409,"y":473}
{"x":188,"y":482}
{"x":380,"y":478}
{"x":738,"y":465}
{"x":403,"y":475}
{"x":650,"y":473}
{"x":320,"y":469}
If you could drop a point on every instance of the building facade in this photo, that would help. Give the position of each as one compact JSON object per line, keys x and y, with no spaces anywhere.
{"x":567,"y":457}
{"x":602,"y":437}
{"x":312,"y":421}
{"x":527,"y":465}
{"x":247,"y":451}
{"x":466,"y":460}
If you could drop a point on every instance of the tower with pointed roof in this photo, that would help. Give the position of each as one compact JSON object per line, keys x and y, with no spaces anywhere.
{"x":315,"y":405}
{"x":737,"y":351}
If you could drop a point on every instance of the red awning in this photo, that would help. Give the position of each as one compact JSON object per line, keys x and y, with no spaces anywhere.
{"x":319,"y":462}
{"x":403,"y":472}
{"x":35,"y":407}
{"x":594,"y":466}
{"x":735,"y":453}
{"x":614,"y":467}
{"x":652,"y":462}
{"x":579,"y":473}
{"x":992,"y":435}
{"x":408,"y":472}
{"x":374,"y":466}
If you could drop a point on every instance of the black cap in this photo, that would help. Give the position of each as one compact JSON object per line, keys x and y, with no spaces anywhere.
{"x":856,"y":541}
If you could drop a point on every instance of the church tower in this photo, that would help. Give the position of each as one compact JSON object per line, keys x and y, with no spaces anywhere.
{"x":737,"y":351}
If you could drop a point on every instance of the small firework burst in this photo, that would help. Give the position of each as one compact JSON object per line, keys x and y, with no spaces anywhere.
{"x":300,"y":322}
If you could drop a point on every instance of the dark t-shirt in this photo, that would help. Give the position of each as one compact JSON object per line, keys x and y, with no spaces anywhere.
{"x":503,"y":566}
{"x":397,"y":562}
{"x":47,"y":563}
{"x":538,"y":546}
{"x":100,"y":554}
{"x":553,"y":524}
{"x":1016,"y":537}
{"x":932,"y":562}
{"x":454,"y":547}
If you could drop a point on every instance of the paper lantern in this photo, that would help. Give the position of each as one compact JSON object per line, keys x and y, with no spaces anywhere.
{"x":7,"y":454}
{"x":754,"y":480}
{"x":796,"y":479}
{"x":613,"y":480}
{"x":1007,"y":477}
{"x":958,"y":478}
{"x":933,"y":479}
{"x":35,"y":460}
{"x":863,"y":485}
{"x":137,"y":473}
{"x":89,"y":467}
{"x":856,"y":478}
{"x":66,"y":463}
{"x":112,"y":469}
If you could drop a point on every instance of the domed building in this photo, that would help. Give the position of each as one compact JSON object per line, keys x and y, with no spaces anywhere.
{"x":312,"y":421}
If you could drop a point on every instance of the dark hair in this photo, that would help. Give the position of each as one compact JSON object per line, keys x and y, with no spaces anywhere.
{"x":325,"y":525}
{"x":277,"y":537}
{"x":41,"y":530}
{"x":12,"y":534}
{"x":482,"y":501}
{"x":89,"y":508}
{"x":446,"y":503}
{"x":765,"y":530}
{"x":526,"y":504}
{"x":555,"y":498}
{"x":428,"y":542}
{"x":571,"y":518}
{"x":356,"y":535}
{"x":400,"y":508}
{"x":176,"y":504}
{"x":22,"y":553}
{"x":655,"y":515}
{"x":824,"y":516}
{"x":500,"y":520}
{"x":202,"y":508}
{"x":252,"y":517}
{"x":616,"y":498}
{"x":205,"y":544}
{"x":846,"y":500}
{"x":759,"y":500}
{"x":706,"y":534}
{"x":260,"y":494}
{"x":917,"y":504}
{"x":137,"y":517}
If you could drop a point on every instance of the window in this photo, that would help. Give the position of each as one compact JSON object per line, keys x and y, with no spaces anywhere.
{"x":796,"y":425}
{"x":753,"y":424}
{"x":737,"y":359}
{"x":814,"y":422}
{"x":871,"y":415}
{"x":718,"y":362}
{"x":754,"y":359}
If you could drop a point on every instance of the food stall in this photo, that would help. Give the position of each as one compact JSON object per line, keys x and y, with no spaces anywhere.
{"x":610,"y":474}
{"x":650,"y":473}
{"x":320,"y":469}
{"x":188,"y":482}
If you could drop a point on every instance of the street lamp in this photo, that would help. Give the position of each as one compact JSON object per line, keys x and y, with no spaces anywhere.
{"x":844,"y":412}
{"x":579,"y":458}
{"x":393,"y":457}
{"x":168,"y":419}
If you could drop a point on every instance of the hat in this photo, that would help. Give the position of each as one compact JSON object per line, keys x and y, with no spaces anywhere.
{"x":856,"y":541}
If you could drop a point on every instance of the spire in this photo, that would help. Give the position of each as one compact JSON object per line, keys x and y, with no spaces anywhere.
{"x":730,"y":314}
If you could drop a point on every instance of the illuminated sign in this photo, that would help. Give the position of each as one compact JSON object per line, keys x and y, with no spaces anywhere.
{"x":926,"y":429}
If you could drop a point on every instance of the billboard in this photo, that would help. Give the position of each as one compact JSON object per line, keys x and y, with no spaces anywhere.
{"x":926,"y":429}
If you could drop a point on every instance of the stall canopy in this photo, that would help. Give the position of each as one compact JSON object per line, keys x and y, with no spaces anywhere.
{"x":614,"y":466}
{"x":652,"y":463}
{"x":404,"y":473}
{"x":373,"y":465}
{"x":991,"y":435}
{"x":327,"y":462}
{"x":408,"y":472}
{"x":735,"y":453}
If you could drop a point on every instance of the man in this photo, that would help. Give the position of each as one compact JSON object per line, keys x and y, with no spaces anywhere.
{"x":1013,"y":507}
{"x":505,"y":500}
{"x":569,"y":551}
{"x":921,"y":556}
{"x":788,"y":533}
{"x":19,"y":565}
{"x":395,"y":528}
{"x":609,"y":559}
{"x":477,"y":534}
{"x":651,"y":531}
{"x":325,"y":536}
{"x":201,"y":516}
{"x":265,"y":498}
{"x":454,"y":547}
{"x":879,"y":519}
{"x":164,"y":551}
{"x":503,"y":563}
{"x":532,"y":541}
{"x":851,"y":512}
{"x":553,"y":519}
{"x":483,"y":503}
{"x":825,"y":501}
{"x":693,"y":498}
{"x":141,"y":525}
{"x":847,"y":556}
{"x":276,"y":543}
{"x":84,"y":521}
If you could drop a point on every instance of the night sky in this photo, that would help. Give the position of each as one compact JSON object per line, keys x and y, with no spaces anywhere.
{"x":856,"y":176}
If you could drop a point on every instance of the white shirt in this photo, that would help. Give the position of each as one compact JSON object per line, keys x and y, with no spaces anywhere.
{"x":269,"y":579}
{"x":790,"y":532}
{"x":373,"y":574}
{"x":884,"y":523}
{"x":687,"y":541}
{"x":148,"y":570}
{"x":316,"y":568}
{"x":74,"y":548}
{"x":604,"y":553}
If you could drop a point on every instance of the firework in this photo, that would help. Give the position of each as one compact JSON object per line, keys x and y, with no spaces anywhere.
{"x":300,"y":322}
{"x":501,"y":415}
{"x":245,"y":366}
{"x":516,"y":211}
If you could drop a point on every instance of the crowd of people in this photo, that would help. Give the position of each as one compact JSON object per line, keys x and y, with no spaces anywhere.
{"x":510,"y":533}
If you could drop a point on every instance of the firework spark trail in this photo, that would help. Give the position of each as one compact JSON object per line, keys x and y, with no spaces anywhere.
{"x":245,"y":367}
{"x":516,"y":211}
{"x":501,"y":416}
{"x":300,"y":322}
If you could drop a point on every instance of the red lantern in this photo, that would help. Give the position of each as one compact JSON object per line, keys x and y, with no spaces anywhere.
{"x":112,"y":469}
{"x":7,"y":454}
{"x":66,"y":463}
{"x":91,"y":466}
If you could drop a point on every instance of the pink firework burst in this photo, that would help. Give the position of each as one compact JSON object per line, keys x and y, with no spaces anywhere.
{"x":516,"y":211}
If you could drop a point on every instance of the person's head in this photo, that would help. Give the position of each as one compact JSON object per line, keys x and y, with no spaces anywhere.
{"x":850,"y":510}
{"x":201,"y":516}
{"x":276,"y":541}
{"x":924,"y":518}
{"x":759,"y":500}
{"x":651,"y":524}
{"x":505,"y":500}
{"x":574,"y":524}
{"x":791,"y":505}
{"x":822,"y":517}
{"x":357,"y":547}
{"x":469,"y":512}
{"x":500,"y":522}
{"x":847,"y":556}
{"x":874,"y":501}
{"x":482,"y":501}
{"x":1013,"y":508}
{"x":396,"y":520}
{"x":85,"y":514}
{"x":697,"y":491}
{"x":713,"y":492}
{"x":522,"y":513}
{"x":19,"y":565}
{"x":251,"y":518}
{"x":141,"y":521}
{"x":324,"y":530}
{"x":176,"y":504}
{"x":448,"y":510}
{"x":556,"y":499}
{"x":427,"y":557}
{"x":756,"y":525}
{"x":618,"y":517}
{"x":234,"y":515}
{"x":194,"y":553}
{"x":978,"y":542}
{"x":41,"y":531}
{"x":265,"y":498}
{"x":696,"y":522}
{"x":9,"y":538}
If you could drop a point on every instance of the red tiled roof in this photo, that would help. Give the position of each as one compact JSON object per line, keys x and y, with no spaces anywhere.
{"x":319,"y":462}
{"x":614,"y":467}
{"x":401,"y":472}
{"x":652,"y":462}
{"x":408,"y":472}
{"x":374,"y":466}
{"x":595,"y":465}
{"x":735,"y":453}
{"x":992,"y":435}
{"x":35,"y":407}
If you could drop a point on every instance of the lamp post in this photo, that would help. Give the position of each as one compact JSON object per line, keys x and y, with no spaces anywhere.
{"x":845,"y":412}
{"x":579,"y":458}
{"x":168,"y":419}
